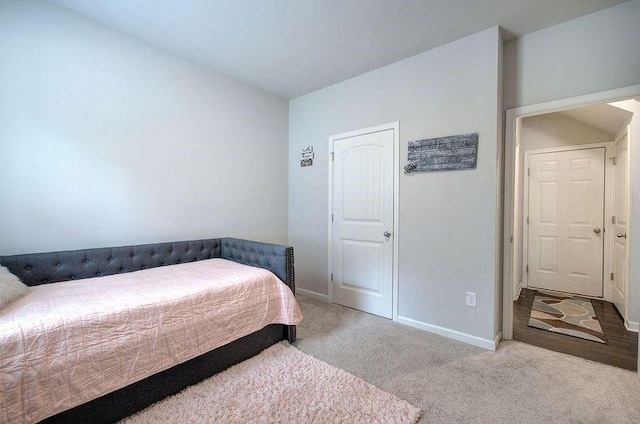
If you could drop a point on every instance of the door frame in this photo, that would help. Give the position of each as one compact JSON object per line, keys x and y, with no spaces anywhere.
{"x":395,"y":126}
{"x":625,"y":133}
{"x":608,"y":208}
{"x":511,"y":211}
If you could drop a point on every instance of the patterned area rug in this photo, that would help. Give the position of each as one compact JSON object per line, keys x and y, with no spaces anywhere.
{"x":570,"y":315}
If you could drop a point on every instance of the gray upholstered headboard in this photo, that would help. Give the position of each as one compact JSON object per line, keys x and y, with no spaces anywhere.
{"x":274,"y":257}
{"x":43,"y":268}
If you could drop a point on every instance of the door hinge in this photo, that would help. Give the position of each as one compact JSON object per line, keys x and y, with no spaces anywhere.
{"x":611,"y":276}
{"x":332,"y":276}
{"x":527,"y":269}
{"x":614,"y":160}
{"x":511,"y":239}
{"x":331,"y":156}
{"x":613,"y":219}
{"x":331,"y":217}
{"x":528,"y":171}
{"x":527,"y":220}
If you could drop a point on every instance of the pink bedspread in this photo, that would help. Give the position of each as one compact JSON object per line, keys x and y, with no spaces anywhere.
{"x":64,"y":344}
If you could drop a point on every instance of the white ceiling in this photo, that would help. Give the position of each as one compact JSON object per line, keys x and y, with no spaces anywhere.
{"x":602,"y":116}
{"x":293,"y":47}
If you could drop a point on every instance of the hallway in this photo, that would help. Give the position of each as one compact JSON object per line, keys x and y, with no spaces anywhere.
{"x":622,"y":350}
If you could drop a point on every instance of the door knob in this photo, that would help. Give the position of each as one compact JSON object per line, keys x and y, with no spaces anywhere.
{"x":597,"y":230}
{"x":386,"y":234}
{"x":621,"y":235}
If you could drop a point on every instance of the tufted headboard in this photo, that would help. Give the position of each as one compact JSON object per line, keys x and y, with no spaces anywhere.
{"x":274,"y":257}
{"x":43,"y":268}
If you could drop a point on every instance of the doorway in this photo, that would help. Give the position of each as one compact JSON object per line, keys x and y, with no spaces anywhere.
{"x":520,"y":287}
{"x":363,"y":210}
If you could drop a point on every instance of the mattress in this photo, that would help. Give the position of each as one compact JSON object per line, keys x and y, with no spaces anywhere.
{"x":67,"y":343}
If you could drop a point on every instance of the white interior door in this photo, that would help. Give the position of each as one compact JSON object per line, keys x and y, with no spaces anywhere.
{"x":621,"y":223}
{"x":363,"y":221}
{"x":566,"y":217}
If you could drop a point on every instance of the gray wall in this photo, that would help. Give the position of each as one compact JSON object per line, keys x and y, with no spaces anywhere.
{"x":593,"y":53}
{"x":447,"y":233}
{"x":106,"y":140}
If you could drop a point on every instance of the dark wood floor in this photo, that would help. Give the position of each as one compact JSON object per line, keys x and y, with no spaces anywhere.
{"x":622,"y":350}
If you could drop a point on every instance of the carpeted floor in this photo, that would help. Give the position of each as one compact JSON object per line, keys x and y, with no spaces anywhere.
{"x":453,"y":382}
{"x":280,"y":385}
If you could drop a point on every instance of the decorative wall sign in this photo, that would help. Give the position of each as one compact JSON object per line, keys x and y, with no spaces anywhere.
{"x":306,"y":156}
{"x":450,"y":153}
{"x":409,"y":168}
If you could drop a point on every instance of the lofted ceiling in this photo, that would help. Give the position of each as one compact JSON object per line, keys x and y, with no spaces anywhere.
{"x":602,"y":116}
{"x":293,"y":47}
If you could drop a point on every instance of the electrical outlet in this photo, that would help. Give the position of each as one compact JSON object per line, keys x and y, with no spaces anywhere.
{"x":471,"y":299}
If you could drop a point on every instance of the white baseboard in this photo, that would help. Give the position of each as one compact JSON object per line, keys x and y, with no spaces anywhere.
{"x":516,"y":295}
{"x":631,"y":326}
{"x":496,"y":340}
{"x":315,"y":295}
{"x":452,"y":334}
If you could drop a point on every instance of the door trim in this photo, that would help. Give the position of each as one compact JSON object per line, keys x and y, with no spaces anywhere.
{"x":395,"y":126}
{"x":608,"y":208}
{"x":627,"y":303}
{"x":511,"y":213}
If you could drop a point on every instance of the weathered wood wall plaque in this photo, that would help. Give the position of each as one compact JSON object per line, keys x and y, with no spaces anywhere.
{"x":443,"y":154}
{"x":306,"y":156}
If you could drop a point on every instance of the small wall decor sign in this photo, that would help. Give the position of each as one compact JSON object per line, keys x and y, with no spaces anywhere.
{"x":454,"y":152}
{"x":306,"y":156}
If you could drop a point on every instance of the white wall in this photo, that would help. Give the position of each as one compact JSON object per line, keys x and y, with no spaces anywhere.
{"x":596,"y":52}
{"x":106,"y":140}
{"x":447,"y":222}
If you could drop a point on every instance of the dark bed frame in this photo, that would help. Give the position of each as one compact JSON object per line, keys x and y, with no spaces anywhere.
{"x":44,"y":268}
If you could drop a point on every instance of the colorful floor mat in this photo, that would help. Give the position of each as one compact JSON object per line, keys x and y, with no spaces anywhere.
{"x":564,"y":314}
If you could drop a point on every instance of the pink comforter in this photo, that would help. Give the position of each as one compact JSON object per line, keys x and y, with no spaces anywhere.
{"x":64,"y":344}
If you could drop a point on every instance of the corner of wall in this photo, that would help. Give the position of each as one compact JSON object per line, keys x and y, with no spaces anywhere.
{"x":499,"y":189}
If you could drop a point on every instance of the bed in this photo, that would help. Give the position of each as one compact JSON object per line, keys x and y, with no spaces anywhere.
{"x":161,"y":295}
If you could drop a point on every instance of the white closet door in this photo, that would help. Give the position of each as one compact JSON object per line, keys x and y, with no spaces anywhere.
{"x":363,"y":222}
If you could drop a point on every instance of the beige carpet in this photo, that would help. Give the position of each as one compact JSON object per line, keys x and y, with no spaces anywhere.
{"x":281,"y":385}
{"x":453,"y":382}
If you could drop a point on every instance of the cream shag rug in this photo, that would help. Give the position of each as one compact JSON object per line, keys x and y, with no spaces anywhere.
{"x":280,"y":385}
